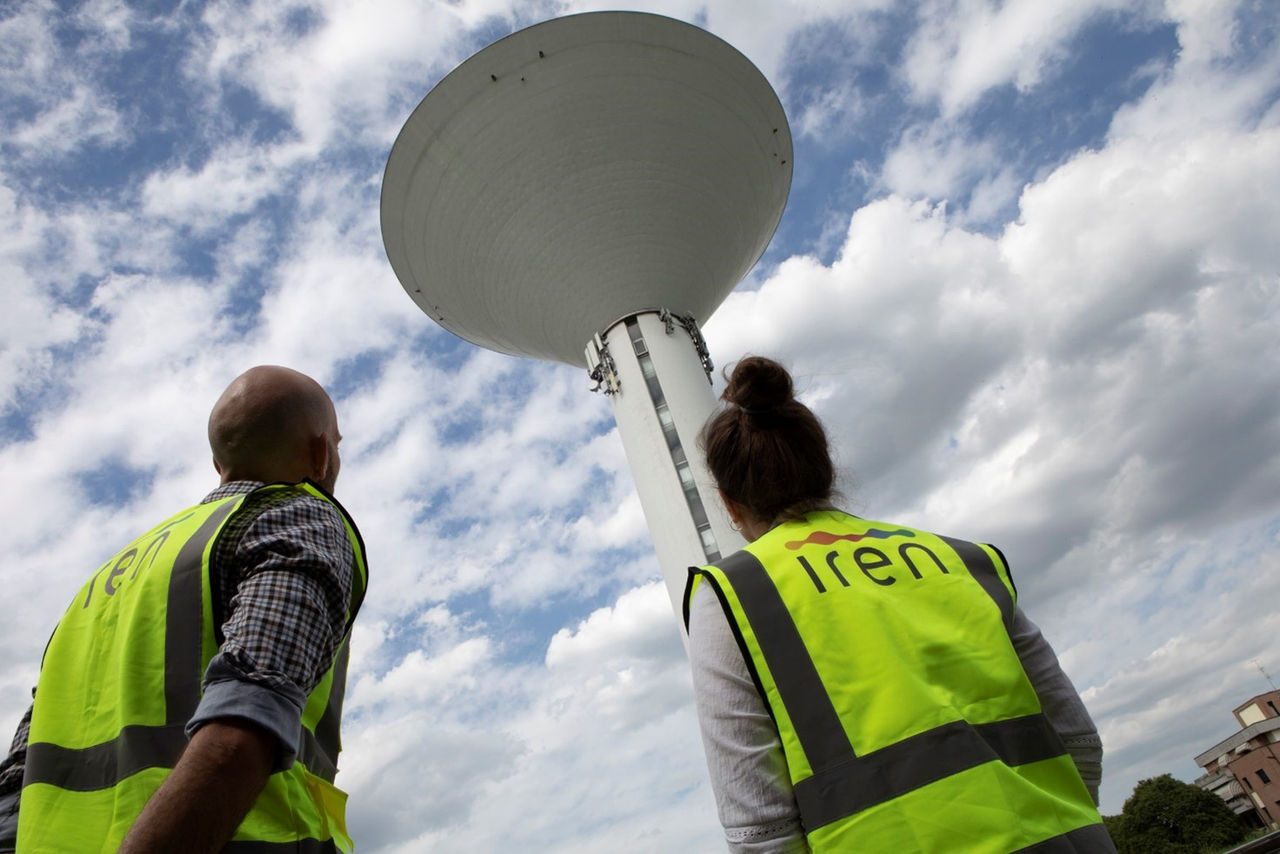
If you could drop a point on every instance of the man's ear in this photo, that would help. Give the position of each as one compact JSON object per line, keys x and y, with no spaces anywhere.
{"x":318,"y":446}
{"x":217,"y":467}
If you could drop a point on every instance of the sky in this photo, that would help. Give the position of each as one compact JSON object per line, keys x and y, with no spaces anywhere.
{"x":1028,"y":275}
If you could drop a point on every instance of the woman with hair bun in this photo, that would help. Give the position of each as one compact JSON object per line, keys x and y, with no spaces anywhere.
{"x":864,"y":685}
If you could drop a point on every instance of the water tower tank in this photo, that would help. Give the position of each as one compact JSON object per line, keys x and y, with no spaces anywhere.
{"x":588,"y":190}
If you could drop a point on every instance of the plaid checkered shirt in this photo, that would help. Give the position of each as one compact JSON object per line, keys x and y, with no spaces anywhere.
{"x":282,"y":580}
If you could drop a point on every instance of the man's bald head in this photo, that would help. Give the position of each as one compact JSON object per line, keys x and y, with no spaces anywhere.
{"x":274,"y":424}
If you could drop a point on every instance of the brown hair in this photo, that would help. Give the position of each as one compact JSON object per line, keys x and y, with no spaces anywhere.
{"x":767,"y":450}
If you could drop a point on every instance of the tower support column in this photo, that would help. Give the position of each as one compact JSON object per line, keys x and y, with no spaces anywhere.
{"x":653,"y":366}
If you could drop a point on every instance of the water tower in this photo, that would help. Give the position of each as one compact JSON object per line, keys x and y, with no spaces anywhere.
{"x":588,"y":190}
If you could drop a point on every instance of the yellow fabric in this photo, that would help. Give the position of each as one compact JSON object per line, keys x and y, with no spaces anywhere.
{"x":904,"y":640}
{"x":104,"y":674}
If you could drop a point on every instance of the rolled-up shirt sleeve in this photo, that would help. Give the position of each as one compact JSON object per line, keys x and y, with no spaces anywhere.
{"x":230,"y":693}
{"x":288,"y":582}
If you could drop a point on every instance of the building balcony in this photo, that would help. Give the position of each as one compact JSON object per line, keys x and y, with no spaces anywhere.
{"x":1230,"y":792}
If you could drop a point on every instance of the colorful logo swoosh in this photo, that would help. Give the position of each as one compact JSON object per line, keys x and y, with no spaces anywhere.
{"x":825,"y":538}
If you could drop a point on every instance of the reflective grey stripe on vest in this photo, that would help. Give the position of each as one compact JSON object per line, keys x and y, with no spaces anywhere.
{"x":844,"y":783}
{"x":102,"y":766}
{"x":915,"y":762}
{"x":327,"y":743}
{"x":814,"y":718}
{"x":184,"y":622}
{"x":984,"y":571}
{"x":327,"y":737}
{"x":311,"y":753}
{"x":1090,"y":839}
{"x":137,"y":748}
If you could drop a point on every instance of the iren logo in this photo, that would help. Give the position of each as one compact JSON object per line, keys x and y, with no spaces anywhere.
{"x":825,"y":538}
{"x":130,"y":558}
{"x":869,"y":559}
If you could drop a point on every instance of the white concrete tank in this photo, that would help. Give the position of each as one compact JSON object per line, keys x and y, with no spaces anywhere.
{"x":601,"y":180}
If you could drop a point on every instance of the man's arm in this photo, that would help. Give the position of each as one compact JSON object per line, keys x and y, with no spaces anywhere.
{"x":215,"y":783}
{"x":285,"y":585}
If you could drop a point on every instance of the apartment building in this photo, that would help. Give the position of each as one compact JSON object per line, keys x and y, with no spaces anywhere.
{"x":1244,"y":768}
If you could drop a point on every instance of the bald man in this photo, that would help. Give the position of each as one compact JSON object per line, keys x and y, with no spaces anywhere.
{"x":190,"y":697}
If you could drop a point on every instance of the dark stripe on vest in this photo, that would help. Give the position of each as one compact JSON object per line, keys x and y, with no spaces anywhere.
{"x":980,"y":566}
{"x":102,"y":766}
{"x":317,"y":760}
{"x":327,"y":736}
{"x":184,"y":618}
{"x":812,"y":714}
{"x":1090,"y":839}
{"x":925,"y":758}
{"x":1007,"y":571}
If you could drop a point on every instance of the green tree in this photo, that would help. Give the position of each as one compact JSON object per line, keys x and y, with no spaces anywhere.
{"x":1167,"y":816}
{"x":1115,"y":827}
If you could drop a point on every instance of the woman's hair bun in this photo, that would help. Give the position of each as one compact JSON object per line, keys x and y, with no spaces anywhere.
{"x":758,"y":384}
{"x":767,"y":451}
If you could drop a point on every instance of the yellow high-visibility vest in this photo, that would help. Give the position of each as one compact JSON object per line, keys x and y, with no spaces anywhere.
{"x":121,"y":678}
{"x":907,"y":720}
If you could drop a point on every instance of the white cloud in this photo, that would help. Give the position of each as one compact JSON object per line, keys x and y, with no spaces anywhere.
{"x":610,"y":720}
{"x":74,"y":110}
{"x":964,"y":48}
{"x":1199,"y":95}
{"x":33,"y":321}
{"x":832,"y":112}
{"x":760,"y":29}
{"x":613,"y":631}
{"x":111,"y":22}
{"x":417,"y":677}
{"x":939,"y":161}
{"x":449,"y":742}
{"x":232,"y":181}
{"x":335,"y":68}
{"x":1207,"y":29}
{"x":355,"y":70}
{"x":1091,"y":387}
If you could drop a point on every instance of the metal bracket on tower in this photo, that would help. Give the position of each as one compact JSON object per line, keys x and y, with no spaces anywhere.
{"x":670,"y":319}
{"x":602,"y":369}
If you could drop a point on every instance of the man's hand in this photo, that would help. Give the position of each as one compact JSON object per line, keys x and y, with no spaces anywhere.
{"x":212,"y":788}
